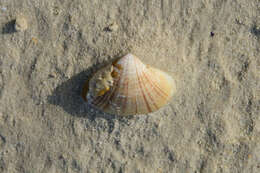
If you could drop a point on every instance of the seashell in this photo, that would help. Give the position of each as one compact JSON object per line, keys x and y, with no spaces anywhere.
{"x":128,"y":87}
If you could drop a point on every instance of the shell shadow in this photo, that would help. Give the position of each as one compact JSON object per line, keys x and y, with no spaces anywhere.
{"x":254,"y":30}
{"x":68,"y":96}
{"x":9,"y":27}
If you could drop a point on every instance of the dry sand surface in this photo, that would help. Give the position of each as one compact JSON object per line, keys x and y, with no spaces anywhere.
{"x":48,"y":48}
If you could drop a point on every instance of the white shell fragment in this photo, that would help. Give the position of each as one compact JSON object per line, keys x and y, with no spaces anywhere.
{"x":129,"y":87}
{"x":113,"y":27}
{"x":20,"y":23}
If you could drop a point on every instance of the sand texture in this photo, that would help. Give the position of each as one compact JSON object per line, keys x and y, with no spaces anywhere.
{"x":211,"y":48}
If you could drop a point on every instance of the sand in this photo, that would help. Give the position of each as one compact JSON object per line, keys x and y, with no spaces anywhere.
{"x":211,"y":48}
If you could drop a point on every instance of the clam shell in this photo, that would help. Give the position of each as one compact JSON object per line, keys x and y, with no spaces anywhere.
{"x":129,"y":87}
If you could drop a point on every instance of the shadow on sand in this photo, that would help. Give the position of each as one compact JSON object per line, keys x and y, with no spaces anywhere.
{"x":9,"y":27}
{"x":255,"y":30}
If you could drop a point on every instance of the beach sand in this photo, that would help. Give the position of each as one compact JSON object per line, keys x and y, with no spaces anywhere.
{"x":210,"y":48}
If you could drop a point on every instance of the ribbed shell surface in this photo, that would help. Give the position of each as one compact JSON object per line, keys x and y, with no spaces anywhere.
{"x":137,"y":89}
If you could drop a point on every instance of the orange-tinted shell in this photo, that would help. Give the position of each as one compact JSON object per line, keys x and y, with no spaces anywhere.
{"x":129,"y":87}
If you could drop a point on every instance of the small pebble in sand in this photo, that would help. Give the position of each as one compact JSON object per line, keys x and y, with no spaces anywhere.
{"x":112,"y":27}
{"x":20,"y":23}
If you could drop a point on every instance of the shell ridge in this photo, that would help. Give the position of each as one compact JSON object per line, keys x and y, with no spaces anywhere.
{"x":156,"y":84}
{"x":101,"y":99}
{"x":135,"y":99}
{"x":104,"y":99}
{"x":143,"y":83}
{"x":149,"y":94}
{"x":141,"y":88}
{"x":126,"y":92}
{"x":138,"y":89}
{"x":156,"y":88}
{"x":115,"y":98}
